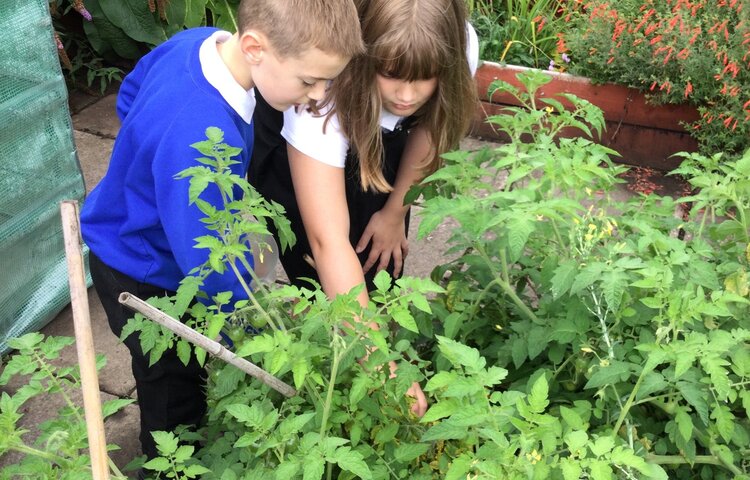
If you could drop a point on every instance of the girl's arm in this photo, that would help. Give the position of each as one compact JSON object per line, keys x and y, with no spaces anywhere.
{"x":386,"y":227}
{"x":321,"y":197}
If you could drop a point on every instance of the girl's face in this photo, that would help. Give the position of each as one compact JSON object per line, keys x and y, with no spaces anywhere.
{"x":404,"y":98}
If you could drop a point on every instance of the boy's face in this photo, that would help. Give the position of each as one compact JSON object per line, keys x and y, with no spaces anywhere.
{"x":285,"y":82}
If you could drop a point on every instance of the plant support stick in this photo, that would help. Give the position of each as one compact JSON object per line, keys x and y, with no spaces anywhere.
{"x":84,"y":340}
{"x":211,"y":346}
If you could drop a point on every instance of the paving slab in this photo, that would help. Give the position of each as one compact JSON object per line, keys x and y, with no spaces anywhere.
{"x":93,"y":154}
{"x":99,"y":118}
{"x":115,"y":377}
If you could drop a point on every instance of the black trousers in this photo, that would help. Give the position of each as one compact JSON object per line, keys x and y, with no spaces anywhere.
{"x":169,"y":393}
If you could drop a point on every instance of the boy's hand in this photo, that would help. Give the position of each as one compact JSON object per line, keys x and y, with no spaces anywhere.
{"x":386,"y":232}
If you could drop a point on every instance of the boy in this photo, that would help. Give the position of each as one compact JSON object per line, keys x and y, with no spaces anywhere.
{"x":137,"y":221}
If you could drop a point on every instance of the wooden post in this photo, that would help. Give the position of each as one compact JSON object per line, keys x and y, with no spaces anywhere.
{"x":84,"y":339}
{"x":211,"y":346}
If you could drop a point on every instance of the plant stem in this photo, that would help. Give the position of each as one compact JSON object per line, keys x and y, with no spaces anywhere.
{"x":629,"y":403}
{"x":26,"y":450}
{"x":331,"y":384}
{"x":506,"y":287}
{"x":53,"y":378}
{"x":252,"y":298}
{"x":702,"y":459}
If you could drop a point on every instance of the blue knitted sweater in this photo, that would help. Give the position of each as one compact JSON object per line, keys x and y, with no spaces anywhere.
{"x":137,"y":220}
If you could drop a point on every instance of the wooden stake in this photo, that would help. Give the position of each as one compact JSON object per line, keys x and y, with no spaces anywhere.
{"x":84,"y":339}
{"x":211,"y":346}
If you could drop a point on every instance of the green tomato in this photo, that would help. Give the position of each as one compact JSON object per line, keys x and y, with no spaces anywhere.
{"x":236,"y":333}
{"x":258,"y":321}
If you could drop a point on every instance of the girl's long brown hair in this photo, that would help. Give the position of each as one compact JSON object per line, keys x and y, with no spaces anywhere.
{"x":409,"y":40}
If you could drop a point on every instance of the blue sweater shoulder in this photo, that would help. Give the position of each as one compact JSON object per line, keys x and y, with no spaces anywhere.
{"x":138,"y":219}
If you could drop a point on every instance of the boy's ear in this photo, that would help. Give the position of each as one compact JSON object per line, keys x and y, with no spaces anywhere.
{"x":252,"y":44}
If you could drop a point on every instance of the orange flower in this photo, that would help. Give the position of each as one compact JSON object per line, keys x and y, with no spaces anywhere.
{"x":656,"y":39}
{"x":684,"y":53}
{"x":688,"y":89}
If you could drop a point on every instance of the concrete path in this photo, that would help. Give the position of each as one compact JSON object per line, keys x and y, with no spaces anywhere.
{"x":95,"y":127}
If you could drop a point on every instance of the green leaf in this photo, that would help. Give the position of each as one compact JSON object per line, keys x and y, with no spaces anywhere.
{"x":684,"y":424}
{"x":387,"y":433}
{"x":562,"y":280}
{"x":614,"y":284}
{"x":406,"y":452}
{"x":166,"y":442}
{"x":314,"y":466}
{"x":358,"y":390}
{"x":159,"y":464}
{"x":602,"y":445}
{"x":537,"y":341}
{"x":724,"y":421}
{"x":586,"y":277}
{"x":714,"y":365}
{"x":538,"y":397}
{"x":519,"y":350}
{"x":382,"y":281}
{"x":459,"y":354}
{"x":292,"y":425}
{"x":300,"y":369}
{"x":572,"y":418}
{"x":613,"y":373}
{"x":111,"y":407}
{"x":404,"y":318}
{"x":183,"y":453}
{"x":695,"y":395}
{"x":459,"y":468}
{"x":571,"y":469}
{"x":600,"y":470}
{"x":519,"y":229}
{"x":576,"y":440}
{"x":134,"y":18}
{"x":195,"y":471}
{"x":183,"y":351}
{"x":105,"y":37}
{"x":445,"y":431}
{"x":353,"y":462}
{"x":442,"y":409}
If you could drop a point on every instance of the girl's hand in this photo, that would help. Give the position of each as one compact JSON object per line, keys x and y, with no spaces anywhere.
{"x":386,"y":232}
{"x":420,"y":405}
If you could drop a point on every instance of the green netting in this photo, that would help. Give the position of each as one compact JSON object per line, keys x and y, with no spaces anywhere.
{"x":38,"y":169}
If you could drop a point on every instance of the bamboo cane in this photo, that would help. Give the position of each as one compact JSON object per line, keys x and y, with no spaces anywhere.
{"x":211,"y":346}
{"x":84,"y":340}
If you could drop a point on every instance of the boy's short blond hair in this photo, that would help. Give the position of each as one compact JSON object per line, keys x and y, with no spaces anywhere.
{"x":293,"y":26}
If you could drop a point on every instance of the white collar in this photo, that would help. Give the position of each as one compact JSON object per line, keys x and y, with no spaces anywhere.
{"x":219,"y":76}
{"x":388,"y":120}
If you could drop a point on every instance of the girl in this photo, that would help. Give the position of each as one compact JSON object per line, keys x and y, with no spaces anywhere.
{"x":385,"y":122}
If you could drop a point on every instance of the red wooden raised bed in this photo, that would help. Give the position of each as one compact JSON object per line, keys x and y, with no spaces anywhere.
{"x":644,"y":134}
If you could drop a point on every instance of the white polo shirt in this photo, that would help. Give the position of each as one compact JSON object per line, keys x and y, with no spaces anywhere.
{"x":304,"y":130}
